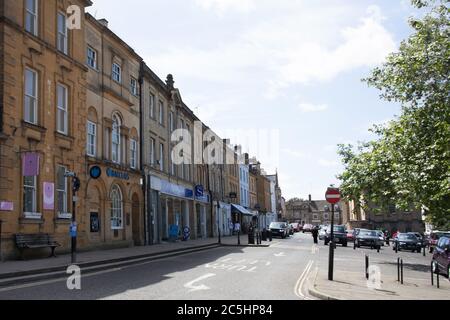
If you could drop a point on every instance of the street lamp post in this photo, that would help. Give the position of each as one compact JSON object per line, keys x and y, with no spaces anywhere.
{"x":73,"y":226}
{"x":218,"y":221}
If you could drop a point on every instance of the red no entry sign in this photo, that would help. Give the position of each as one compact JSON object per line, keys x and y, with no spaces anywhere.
{"x":333,"y":195}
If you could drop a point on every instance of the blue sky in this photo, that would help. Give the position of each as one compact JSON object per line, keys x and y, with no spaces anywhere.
{"x":289,"y":68}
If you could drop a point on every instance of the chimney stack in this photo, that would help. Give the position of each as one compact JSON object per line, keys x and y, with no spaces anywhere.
{"x":104,"y":22}
{"x":170,"y":82}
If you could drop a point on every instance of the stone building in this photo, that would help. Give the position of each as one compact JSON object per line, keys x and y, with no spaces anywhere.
{"x":114,"y":199}
{"x":315,"y":212}
{"x":42,"y":119}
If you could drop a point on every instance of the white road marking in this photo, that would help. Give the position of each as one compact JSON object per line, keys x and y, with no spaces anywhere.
{"x":190,"y":285}
{"x":281,"y":254}
{"x":254,"y":262}
{"x":225,"y":260}
{"x":300,"y":282}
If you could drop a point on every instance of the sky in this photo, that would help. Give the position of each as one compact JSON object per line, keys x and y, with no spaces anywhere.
{"x":282,"y":78}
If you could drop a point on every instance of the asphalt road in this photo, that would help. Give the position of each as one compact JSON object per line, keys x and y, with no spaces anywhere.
{"x":282,"y":271}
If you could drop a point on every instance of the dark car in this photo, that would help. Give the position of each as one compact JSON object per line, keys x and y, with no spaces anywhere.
{"x":367,"y":238}
{"x":339,"y":234}
{"x":407,"y":241}
{"x":279,"y":229}
{"x":434,"y":239}
{"x":441,"y":257}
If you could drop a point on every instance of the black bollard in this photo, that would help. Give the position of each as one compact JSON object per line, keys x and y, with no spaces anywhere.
{"x":396,"y":247}
{"x":401,"y":267}
{"x":437,"y":279}
{"x":432,"y":275}
{"x":367,"y":267}
{"x":424,"y":251}
{"x":398,"y":269}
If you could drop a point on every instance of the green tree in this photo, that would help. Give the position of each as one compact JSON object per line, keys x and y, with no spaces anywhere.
{"x":409,"y":164}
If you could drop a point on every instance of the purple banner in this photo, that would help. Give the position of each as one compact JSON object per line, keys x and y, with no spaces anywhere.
{"x":30,"y":164}
{"x":6,"y":206}
{"x":49,"y":196}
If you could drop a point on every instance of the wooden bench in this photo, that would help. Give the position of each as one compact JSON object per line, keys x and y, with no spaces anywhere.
{"x":35,"y":241}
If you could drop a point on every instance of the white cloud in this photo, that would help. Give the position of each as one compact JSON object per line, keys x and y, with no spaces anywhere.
{"x":308,"y":107}
{"x":295,"y":154}
{"x":328,"y":163}
{"x":220,"y":7}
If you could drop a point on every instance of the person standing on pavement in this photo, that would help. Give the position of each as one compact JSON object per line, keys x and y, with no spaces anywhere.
{"x":315,"y":234}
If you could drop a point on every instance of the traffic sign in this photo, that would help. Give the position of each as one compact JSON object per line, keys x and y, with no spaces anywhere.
{"x":333,"y":195}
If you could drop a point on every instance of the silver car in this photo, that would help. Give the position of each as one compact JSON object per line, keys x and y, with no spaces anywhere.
{"x":322,"y":232}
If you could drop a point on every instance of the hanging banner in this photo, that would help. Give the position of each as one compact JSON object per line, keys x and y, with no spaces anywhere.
{"x":49,"y":196}
{"x":30,"y":164}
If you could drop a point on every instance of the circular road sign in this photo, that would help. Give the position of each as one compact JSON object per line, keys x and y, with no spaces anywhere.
{"x":333,"y":195}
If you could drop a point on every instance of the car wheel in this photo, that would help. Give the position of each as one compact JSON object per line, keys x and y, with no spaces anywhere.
{"x":325,"y":242}
{"x":344,"y":244}
{"x":448,"y":273}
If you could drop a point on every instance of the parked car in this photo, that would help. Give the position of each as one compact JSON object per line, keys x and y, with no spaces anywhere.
{"x":308,"y":228}
{"x":407,"y":241}
{"x":434,"y":239}
{"x":381,"y":237}
{"x":322,"y":232}
{"x":441,"y":257}
{"x":296,"y":227}
{"x":290,"y":229}
{"x":279,"y":229}
{"x":350,"y":235}
{"x":420,"y":237}
{"x":367,"y":238}
{"x":339,"y":235}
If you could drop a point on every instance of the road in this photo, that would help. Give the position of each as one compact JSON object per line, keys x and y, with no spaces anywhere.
{"x":282,"y":271}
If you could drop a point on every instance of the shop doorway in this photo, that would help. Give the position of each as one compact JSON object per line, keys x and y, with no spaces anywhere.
{"x":135,"y":214}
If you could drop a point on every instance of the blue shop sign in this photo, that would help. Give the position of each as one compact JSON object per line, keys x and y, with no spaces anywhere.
{"x":199,"y":191}
{"x":117,"y":174}
{"x":188,"y":193}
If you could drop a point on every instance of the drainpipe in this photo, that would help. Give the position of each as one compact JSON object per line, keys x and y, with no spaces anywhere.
{"x":141,"y":142}
{"x":1,"y":257}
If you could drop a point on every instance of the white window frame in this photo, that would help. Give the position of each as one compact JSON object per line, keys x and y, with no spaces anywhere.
{"x":62,"y":34}
{"x":91,"y":148}
{"x":133,"y":153}
{"x":116,"y":73}
{"x":92,"y":61}
{"x":33,"y":188}
{"x":33,"y":15}
{"x":152,"y":151}
{"x":161,"y":112}
{"x":133,"y":86}
{"x":116,"y":208}
{"x":64,"y":192}
{"x":161,"y":157}
{"x":171,"y":122}
{"x":33,"y":99}
{"x":152,"y":106}
{"x":115,"y":146}
{"x":62,"y":109}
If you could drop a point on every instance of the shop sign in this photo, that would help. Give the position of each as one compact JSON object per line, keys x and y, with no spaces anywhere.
{"x":117,"y":174}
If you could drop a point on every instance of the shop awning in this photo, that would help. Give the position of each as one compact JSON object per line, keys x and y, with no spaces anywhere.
{"x":242,"y":210}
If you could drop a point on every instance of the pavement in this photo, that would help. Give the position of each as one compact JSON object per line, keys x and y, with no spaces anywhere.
{"x":350,"y":281}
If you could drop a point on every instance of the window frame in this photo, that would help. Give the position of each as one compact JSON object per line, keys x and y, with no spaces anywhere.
{"x":114,"y":144}
{"x":161,"y":113}
{"x":134,"y":89}
{"x":90,"y":49}
{"x":161,"y":157}
{"x":60,"y":109}
{"x":65,"y":191}
{"x":94,"y":145}
{"x":64,"y":35}
{"x":133,"y":153}
{"x":34,"y":99}
{"x":34,"y":194}
{"x":117,"y":72}
{"x":34,"y":15}
{"x":152,"y":152}
{"x":152,"y":106}
{"x":116,"y":211}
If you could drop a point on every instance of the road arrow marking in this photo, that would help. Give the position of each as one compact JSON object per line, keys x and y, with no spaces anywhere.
{"x":190,"y":285}
{"x":281,"y":254}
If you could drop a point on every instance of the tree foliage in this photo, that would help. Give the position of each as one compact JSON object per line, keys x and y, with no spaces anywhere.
{"x":409,"y":164}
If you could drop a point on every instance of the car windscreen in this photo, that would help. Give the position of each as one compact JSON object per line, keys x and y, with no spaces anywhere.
{"x":339,"y":229}
{"x":368,"y":233}
{"x":407,"y":237}
{"x":275,"y":225}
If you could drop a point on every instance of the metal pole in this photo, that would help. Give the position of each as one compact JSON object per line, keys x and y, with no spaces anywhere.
{"x":331,"y":256}
{"x":74,"y":221}
{"x":437,"y":278}
{"x":401,"y":267}
{"x":218,"y":222}
{"x":367,"y":267}
{"x":1,"y":257}
{"x":398,"y":270}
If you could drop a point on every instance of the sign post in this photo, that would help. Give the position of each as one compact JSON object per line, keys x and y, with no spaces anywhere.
{"x":332,"y":196}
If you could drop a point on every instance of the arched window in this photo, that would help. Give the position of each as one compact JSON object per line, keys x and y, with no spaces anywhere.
{"x":115,"y":139}
{"x":116,"y":208}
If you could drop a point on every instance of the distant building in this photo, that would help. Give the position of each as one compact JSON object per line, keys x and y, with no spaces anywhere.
{"x":310,"y":211}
